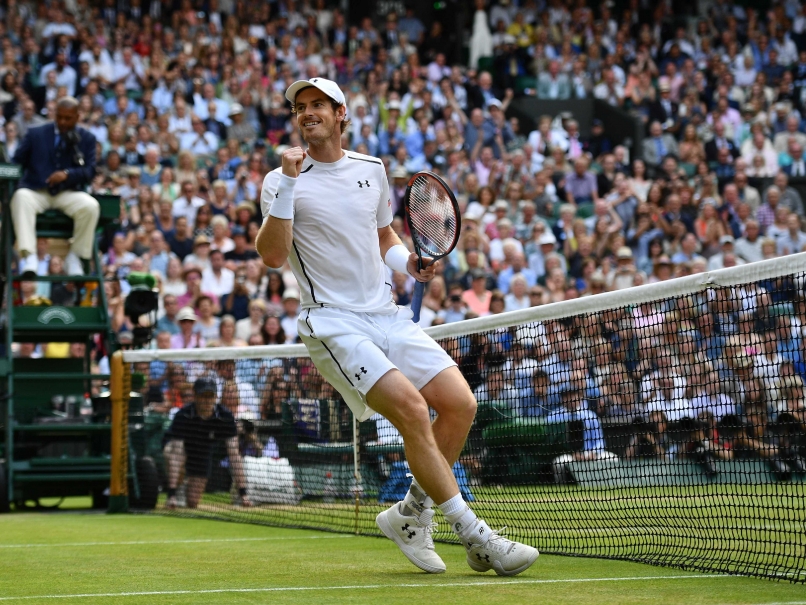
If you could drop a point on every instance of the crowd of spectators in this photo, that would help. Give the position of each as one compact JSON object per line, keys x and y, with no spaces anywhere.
{"x":186,"y":102}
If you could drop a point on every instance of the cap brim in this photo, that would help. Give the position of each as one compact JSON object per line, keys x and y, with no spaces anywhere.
{"x":291,"y":93}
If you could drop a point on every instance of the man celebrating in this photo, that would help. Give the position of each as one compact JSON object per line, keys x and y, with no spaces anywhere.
{"x":189,"y":445}
{"x":59,"y":162}
{"x":328,"y":212}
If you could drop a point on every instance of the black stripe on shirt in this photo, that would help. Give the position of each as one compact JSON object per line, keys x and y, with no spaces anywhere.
{"x":365,"y":160}
{"x":307,"y":169}
{"x":305,"y":273}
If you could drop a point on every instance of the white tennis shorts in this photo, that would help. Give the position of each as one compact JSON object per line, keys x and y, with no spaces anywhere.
{"x":353,"y":350}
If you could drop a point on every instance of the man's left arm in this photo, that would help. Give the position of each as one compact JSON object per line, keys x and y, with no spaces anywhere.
{"x":238,"y":474}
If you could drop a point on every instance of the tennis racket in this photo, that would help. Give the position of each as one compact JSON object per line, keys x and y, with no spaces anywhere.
{"x":432,"y":214}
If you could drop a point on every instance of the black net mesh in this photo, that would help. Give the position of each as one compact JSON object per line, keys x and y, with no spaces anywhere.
{"x":669,"y":432}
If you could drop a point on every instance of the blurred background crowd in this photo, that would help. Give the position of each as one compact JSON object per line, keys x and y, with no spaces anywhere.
{"x":185,"y":99}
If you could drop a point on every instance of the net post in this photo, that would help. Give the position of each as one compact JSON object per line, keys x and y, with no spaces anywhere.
{"x":119,"y":392}
{"x":357,"y":474}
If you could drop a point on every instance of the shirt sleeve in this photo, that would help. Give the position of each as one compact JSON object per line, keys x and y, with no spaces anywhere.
{"x":384,"y":214}
{"x":269,"y":192}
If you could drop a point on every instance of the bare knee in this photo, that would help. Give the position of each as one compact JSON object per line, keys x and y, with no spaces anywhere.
{"x":173,"y":449}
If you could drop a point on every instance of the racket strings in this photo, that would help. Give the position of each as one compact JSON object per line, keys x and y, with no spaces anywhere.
{"x":433,"y":220}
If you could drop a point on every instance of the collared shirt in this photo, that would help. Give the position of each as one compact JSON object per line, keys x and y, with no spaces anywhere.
{"x":581,"y":187}
{"x":592,"y":434}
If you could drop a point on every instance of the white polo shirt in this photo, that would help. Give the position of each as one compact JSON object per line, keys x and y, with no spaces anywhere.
{"x":335,"y":255}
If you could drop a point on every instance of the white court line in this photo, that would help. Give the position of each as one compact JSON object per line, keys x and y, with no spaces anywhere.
{"x":136,"y":542}
{"x":500,"y":582}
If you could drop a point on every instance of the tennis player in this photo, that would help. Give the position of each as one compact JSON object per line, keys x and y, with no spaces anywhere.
{"x":328,"y":212}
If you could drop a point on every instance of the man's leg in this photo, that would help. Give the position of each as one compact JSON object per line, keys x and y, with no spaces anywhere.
{"x":84,"y":210}
{"x":174,"y":454}
{"x":449,"y":395}
{"x":25,"y":205}
{"x":196,"y":487}
{"x":396,"y":398}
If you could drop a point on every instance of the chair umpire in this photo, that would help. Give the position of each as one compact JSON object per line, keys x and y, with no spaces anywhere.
{"x":58,"y":160}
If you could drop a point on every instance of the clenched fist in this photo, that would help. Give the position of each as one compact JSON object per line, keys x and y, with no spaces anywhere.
{"x":292,"y":161}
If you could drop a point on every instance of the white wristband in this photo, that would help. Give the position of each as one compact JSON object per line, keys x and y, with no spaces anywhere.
{"x":397,"y":258}
{"x":282,"y":206}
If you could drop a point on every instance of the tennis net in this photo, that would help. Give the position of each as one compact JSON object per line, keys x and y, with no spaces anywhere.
{"x":662,"y":424}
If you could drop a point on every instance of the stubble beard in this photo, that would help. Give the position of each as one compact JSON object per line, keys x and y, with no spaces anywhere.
{"x":316,"y":139}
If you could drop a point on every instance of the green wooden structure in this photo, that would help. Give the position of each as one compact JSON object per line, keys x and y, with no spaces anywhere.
{"x":49,"y":446}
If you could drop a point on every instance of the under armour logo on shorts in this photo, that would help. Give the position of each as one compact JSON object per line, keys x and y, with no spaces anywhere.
{"x":363,"y":371}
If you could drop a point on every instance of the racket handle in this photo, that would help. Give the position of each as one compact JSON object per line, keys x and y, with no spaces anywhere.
{"x":417,"y":300}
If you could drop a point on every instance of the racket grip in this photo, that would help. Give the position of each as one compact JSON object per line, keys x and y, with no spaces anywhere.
{"x":417,"y":301}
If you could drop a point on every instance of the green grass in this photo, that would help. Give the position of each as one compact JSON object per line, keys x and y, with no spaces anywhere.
{"x":180,"y":561}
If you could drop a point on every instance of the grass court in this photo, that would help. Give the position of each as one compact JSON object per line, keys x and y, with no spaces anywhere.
{"x":94,"y":558}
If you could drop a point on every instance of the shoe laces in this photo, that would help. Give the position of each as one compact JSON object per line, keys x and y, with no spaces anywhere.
{"x":426,"y":521}
{"x":497,"y":541}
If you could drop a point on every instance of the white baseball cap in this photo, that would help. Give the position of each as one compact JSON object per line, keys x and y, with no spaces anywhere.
{"x":329,"y":87}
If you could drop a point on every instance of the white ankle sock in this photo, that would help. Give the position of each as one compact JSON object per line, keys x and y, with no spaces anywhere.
{"x":458,"y":514}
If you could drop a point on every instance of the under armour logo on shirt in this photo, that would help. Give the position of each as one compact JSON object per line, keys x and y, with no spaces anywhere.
{"x":362,"y":183}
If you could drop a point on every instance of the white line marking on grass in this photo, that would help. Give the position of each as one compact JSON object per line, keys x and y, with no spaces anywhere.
{"x":357,"y":587}
{"x":137,"y":542}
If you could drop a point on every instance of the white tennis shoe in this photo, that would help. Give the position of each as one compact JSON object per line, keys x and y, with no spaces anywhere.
{"x":412,"y":534}
{"x":487,"y":549}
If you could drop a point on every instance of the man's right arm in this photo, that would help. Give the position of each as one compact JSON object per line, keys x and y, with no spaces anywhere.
{"x":275,"y":237}
{"x":23,"y":153}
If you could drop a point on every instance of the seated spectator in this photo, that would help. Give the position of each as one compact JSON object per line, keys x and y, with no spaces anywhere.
{"x":217,"y":279}
{"x":657,"y":146}
{"x":456,"y":308}
{"x":535,"y":401}
{"x":477,"y":297}
{"x":188,"y":337}
{"x":580,"y":185}
{"x":518,"y":297}
{"x":794,"y":239}
{"x":236,"y":302}
{"x":199,"y":141}
{"x":193,"y":281}
{"x":58,"y":162}
{"x":553,"y":84}
{"x":168,"y":322}
{"x":226,"y":334}
{"x":291,"y":310}
{"x":583,"y":429}
{"x":206,"y":325}
{"x":252,"y":324}
{"x":643,"y":444}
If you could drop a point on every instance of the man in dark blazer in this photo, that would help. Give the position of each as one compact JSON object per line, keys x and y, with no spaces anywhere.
{"x":664,"y":110}
{"x":719,"y":141}
{"x":58,"y":161}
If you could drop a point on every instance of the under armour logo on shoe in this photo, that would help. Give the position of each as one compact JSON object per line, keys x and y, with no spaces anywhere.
{"x":485,"y":557}
{"x":358,"y":376}
{"x":362,"y":183}
{"x":409,"y":532}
